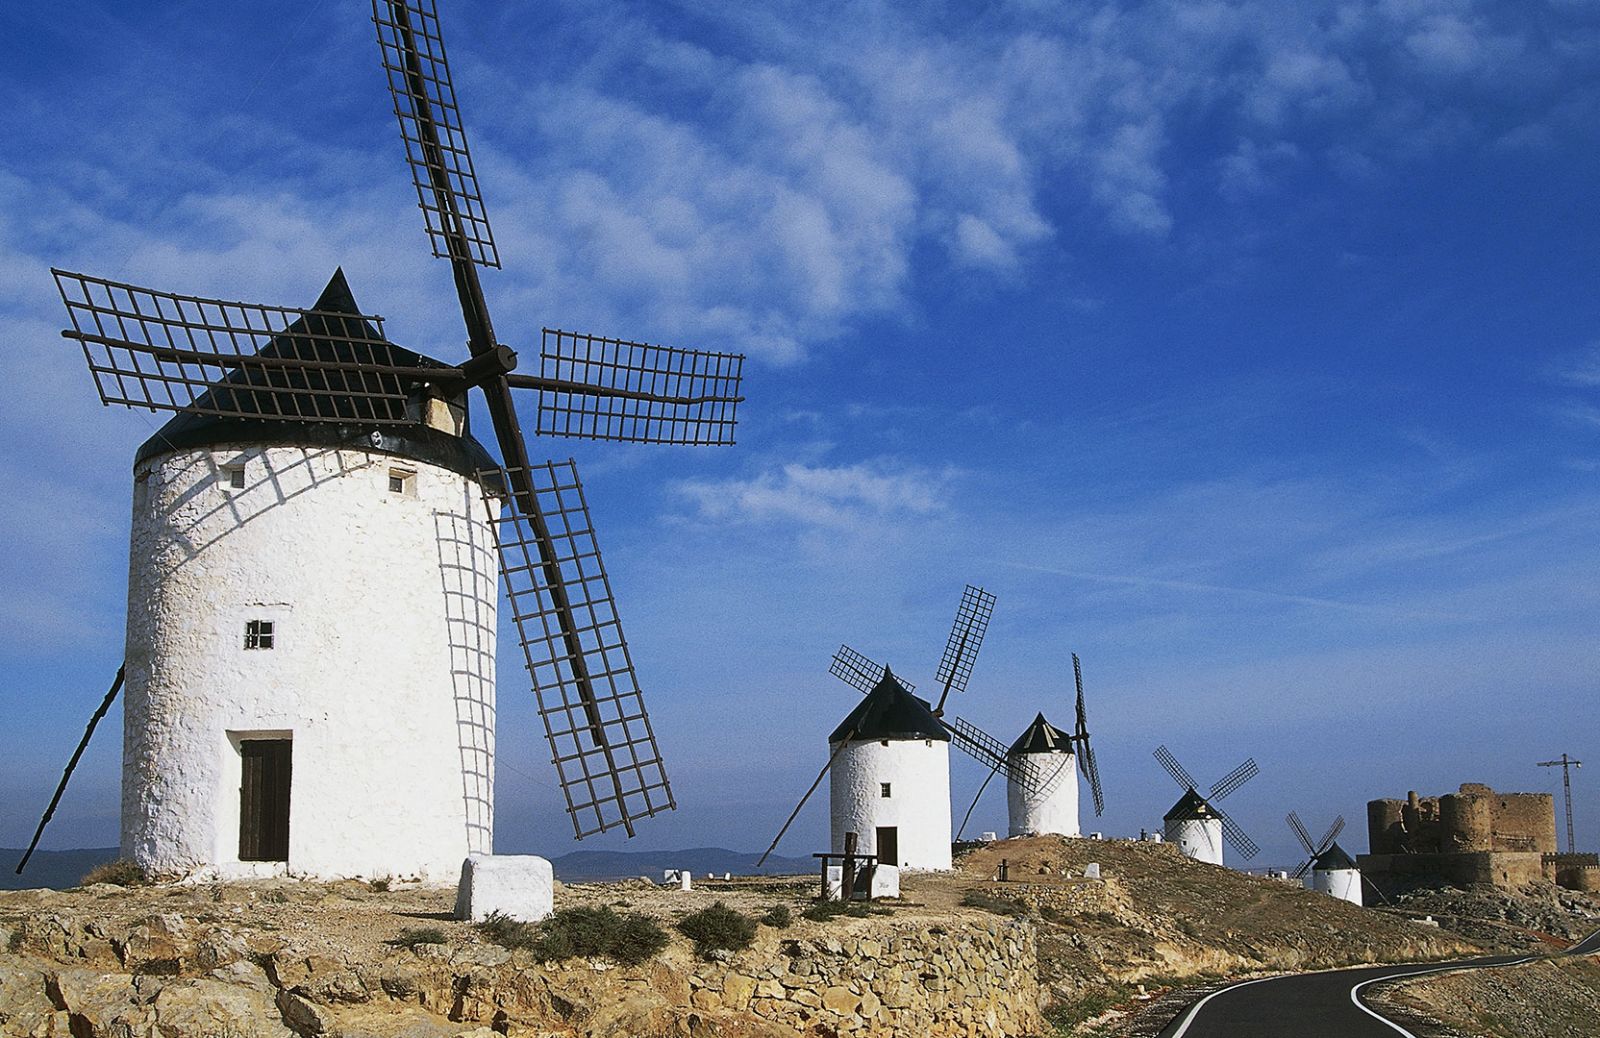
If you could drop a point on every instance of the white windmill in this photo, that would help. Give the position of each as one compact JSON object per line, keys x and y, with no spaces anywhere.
{"x":1327,"y":867}
{"x":309,"y":670}
{"x":889,"y":759}
{"x":1035,"y":808}
{"x":1195,"y":823}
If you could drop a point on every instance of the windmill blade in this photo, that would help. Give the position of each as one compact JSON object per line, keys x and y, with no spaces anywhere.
{"x":1300,"y":832}
{"x":594,"y":388}
{"x":1236,"y":836}
{"x":1083,"y":717}
{"x":1299,"y":871}
{"x":1332,"y":834}
{"x":600,"y":737}
{"x":859,"y":672}
{"x":992,"y":753}
{"x":167,"y":352}
{"x":1234,"y":779}
{"x":966,"y":637}
{"x":430,"y":125}
{"x":1091,"y":772}
{"x":1176,"y":770}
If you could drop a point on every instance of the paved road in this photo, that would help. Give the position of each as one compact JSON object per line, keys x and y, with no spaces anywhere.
{"x":1315,"y":1005}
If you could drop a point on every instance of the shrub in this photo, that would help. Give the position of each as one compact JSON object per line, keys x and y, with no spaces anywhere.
{"x":575,"y":932}
{"x":412,"y":936}
{"x":718,"y":928}
{"x":777,"y":917}
{"x":822,"y":911}
{"x":1065,"y":1016}
{"x":122,"y":873}
{"x":993,"y":903}
{"x":379,"y":885}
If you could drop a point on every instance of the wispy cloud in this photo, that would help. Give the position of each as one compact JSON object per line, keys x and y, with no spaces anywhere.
{"x":843,"y":497}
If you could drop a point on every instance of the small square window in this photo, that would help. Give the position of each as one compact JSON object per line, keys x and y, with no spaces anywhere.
{"x":883,"y":790}
{"x":400,"y":481}
{"x":235,"y":476}
{"x":258,"y":634}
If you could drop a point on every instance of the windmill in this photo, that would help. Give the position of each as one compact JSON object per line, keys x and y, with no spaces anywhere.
{"x":1053,"y":806}
{"x":1332,"y":871}
{"x":889,"y":758}
{"x":1195,"y":823}
{"x":313,"y":589}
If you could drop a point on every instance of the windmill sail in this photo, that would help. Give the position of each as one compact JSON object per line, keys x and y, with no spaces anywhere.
{"x":596,"y":388}
{"x":430,"y":125}
{"x":986,"y":749}
{"x":600,"y":737}
{"x":859,"y":672}
{"x":1080,"y":737}
{"x":966,"y":637}
{"x":167,"y":352}
{"x":1179,"y":773}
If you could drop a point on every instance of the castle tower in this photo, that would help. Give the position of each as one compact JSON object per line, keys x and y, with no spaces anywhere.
{"x":1334,"y":872}
{"x":890,"y":779}
{"x":310,"y":643}
{"x":1194,"y":826}
{"x":1030,"y":812}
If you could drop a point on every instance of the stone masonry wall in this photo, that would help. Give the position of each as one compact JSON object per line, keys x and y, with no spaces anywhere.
{"x":891,"y":980}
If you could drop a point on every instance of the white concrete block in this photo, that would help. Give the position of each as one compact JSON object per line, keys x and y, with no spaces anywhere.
{"x":885,"y":882}
{"x":1091,"y":870}
{"x":685,"y":882}
{"x":520,"y":886}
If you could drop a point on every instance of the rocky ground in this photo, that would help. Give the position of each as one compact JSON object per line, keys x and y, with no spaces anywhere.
{"x":273,"y":959}
{"x":1549,"y":998}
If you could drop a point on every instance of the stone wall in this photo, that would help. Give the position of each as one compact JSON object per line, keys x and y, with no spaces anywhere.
{"x":1508,"y":870}
{"x":889,"y":980}
{"x":182,"y":978}
{"x":1473,"y":819}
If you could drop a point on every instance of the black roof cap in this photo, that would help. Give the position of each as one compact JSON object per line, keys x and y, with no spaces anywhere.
{"x":1332,"y":860}
{"x":1042,"y":737}
{"x":188,"y":430}
{"x":1189,"y":806}
{"x":890,"y":712}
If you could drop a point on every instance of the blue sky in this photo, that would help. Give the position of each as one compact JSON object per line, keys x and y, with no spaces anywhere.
{"x":1250,"y":350}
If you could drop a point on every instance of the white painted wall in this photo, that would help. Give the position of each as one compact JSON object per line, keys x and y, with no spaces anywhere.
{"x":918,"y":773}
{"x":1340,"y":883}
{"x":382,"y":673}
{"x":1057,"y":812}
{"x":1197,"y":838}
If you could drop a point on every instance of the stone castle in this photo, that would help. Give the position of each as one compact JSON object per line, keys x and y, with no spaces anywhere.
{"x":1474,"y":836}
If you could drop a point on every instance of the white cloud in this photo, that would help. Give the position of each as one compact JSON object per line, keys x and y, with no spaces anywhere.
{"x":843,"y":497}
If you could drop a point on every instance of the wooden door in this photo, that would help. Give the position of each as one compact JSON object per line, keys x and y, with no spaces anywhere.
{"x":888,"y":845}
{"x":264,"y":799}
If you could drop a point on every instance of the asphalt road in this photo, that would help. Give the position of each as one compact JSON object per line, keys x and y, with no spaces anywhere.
{"x":1316,"y":1005}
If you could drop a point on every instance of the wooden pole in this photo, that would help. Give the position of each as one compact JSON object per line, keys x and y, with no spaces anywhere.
{"x":105,"y":704}
{"x":851,"y":734}
{"x":847,"y":875}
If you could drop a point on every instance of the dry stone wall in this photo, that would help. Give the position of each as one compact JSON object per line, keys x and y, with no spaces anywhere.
{"x":182,"y":978}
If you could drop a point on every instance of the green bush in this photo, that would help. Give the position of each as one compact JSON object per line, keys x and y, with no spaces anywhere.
{"x":379,"y":885}
{"x":822,"y":911}
{"x":1065,"y":1016}
{"x":412,"y":936}
{"x":993,"y":903}
{"x":718,"y":928}
{"x":777,"y":917}
{"x":122,"y":873}
{"x":579,"y":932}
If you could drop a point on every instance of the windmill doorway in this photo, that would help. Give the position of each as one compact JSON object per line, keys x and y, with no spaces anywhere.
{"x":888,"y":845}
{"x":264,"y":773}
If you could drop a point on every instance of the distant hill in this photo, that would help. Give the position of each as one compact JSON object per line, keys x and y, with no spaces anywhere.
{"x":62,"y":869}
{"x":55,"y":869}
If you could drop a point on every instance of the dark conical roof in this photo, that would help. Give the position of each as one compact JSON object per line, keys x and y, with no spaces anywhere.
{"x":1189,"y":806}
{"x":1042,"y":737}
{"x":188,"y":429}
{"x":890,"y":712}
{"x":1332,"y":860}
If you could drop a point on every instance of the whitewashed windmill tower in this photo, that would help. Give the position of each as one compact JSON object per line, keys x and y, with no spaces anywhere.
{"x":309,"y":670}
{"x":889,"y":759}
{"x":1195,"y":823}
{"x":1327,"y":867}
{"x":1051,"y":806}
{"x":890,"y":780}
